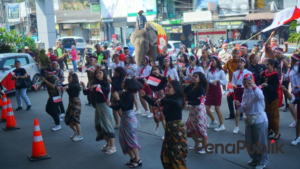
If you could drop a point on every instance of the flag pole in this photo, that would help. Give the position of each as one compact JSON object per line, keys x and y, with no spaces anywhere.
{"x":250,"y":38}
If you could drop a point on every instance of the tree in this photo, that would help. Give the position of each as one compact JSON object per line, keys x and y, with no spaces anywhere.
{"x":294,"y":35}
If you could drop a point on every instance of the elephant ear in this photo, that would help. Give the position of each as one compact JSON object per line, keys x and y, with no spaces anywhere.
{"x":152,"y":37}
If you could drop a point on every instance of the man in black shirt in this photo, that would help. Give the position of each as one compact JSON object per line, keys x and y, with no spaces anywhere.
{"x":256,"y":68}
{"x":160,"y":58}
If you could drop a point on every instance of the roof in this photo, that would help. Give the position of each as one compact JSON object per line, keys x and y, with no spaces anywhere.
{"x":79,"y":16}
{"x":260,"y":16}
{"x":2,"y":55}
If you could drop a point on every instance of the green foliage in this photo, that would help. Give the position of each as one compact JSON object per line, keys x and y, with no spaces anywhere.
{"x":294,"y":35}
{"x":10,"y":41}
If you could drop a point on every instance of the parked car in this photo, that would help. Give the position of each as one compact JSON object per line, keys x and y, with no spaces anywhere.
{"x":249,"y":43}
{"x":174,"y":48}
{"x":68,"y":41}
{"x":7,"y":65}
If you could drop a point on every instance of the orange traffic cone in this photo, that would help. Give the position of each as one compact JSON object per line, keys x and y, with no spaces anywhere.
{"x":4,"y":109}
{"x":38,"y":148}
{"x":10,"y":119}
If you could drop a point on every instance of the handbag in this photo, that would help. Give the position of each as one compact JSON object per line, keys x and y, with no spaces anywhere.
{"x":25,"y":83}
{"x":251,"y":119}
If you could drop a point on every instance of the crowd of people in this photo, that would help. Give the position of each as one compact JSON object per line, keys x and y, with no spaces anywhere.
{"x":253,"y":85}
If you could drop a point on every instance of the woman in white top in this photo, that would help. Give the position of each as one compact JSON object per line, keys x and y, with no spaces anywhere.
{"x":194,"y":62}
{"x":116,"y":63}
{"x":253,"y":105}
{"x":130,"y":67}
{"x":168,"y":69}
{"x":216,"y":77}
{"x":237,"y":84}
{"x":142,"y":72}
{"x":289,"y":76}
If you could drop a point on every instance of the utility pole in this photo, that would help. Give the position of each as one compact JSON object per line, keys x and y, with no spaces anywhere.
{"x":27,"y":5}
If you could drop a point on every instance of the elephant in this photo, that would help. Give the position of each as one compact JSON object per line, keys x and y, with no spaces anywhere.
{"x":145,"y":43}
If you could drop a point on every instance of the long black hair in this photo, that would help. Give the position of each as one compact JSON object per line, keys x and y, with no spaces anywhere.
{"x":203,"y":82}
{"x":74,"y":78}
{"x":273,"y":62}
{"x":171,"y":64}
{"x":185,"y":56}
{"x":219,"y":65}
{"x":96,"y":81}
{"x":132,"y":85}
{"x":121,"y":71}
{"x":157,"y":68}
{"x":193,"y":58}
{"x":178,"y":89}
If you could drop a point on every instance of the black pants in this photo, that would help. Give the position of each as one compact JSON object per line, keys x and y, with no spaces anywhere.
{"x":286,"y":85}
{"x":66,"y":63}
{"x":230,"y":105}
{"x":61,"y":64}
{"x":61,"y":106}
{"x":52,"y":110}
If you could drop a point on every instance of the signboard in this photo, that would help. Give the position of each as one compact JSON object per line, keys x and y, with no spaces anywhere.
{"x":113,"y":8}
{"x":114,"y":37}
{"x":22,"y":9}
{"x":233,"y":7}
{"x":209,"y":25}
{"x":171,"y":22}
{"x":134,"y":6}
{"x":96,"y":33}
{"x":67,"y":26}
{"x":201,"y":16}
{"x":95,"y":8}
{"x":13,"y":12}
{"x":229,"y":25}
{"x":173,"y":29}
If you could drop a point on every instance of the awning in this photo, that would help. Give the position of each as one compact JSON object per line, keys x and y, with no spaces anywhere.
{"x":260,"y":16}
{"x":78,"y":21}
{"x":237,"y":18}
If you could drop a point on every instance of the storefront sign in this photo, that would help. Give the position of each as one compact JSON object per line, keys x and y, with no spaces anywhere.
{"x":173,"y":29}
{"x":134,"y":6}
{"x":113,"y":8}
{"x":168,"y":22}
{"x":67,"y":26}
{"x":209,"y":25}
{"x":233,"y":7}
{"x":198,"y":16}
{"x":13,"y":12}
{"x":95,"y":8}
{"x":229,"y":25}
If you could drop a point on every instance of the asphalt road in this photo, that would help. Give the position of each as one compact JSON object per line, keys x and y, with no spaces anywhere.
{"x":16,"y":145}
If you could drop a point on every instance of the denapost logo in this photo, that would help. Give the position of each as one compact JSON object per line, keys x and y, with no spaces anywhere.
{"x":272,"y":147}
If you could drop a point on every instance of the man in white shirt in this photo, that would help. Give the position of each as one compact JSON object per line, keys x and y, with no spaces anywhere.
{"x":225,"y":54}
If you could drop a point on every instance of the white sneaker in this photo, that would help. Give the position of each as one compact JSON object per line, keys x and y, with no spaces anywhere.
{"x":293,"y":124}
{"x":202,"y":151}
{"x":56,"y":128}
{"x":193,"y":148}
{"x":150,"y":115}
{"x":146,"y":113}
{"x":77,"y":138}
{"x":220,"y":128}
{"x":62,"y":115}
{"x":156,"y":130}
{"x":223,"y":92}
{"x":236,"y":130}
{"x":74,"y":135}
{"x":163,"y":137}
{"x":116,"y":126}
{"x":296,"y":141}
{"x":212,"y":124}
{"x":260,"y":166}
{"x":137,"y":112}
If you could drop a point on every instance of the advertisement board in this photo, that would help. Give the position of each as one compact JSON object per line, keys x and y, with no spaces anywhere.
{"x":13,"y":12}
{"x":173,"y":29}
{"x":209,"y":25}
{"x":229,"y":25}
{"x":134,"y":6}
{"x":113,"y":8}
{"x":233,"y":7}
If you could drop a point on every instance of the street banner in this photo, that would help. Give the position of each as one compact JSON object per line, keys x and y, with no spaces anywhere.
{"x":233,"y":7}
{"x":283,"y":17}
{"x":13,"y":12}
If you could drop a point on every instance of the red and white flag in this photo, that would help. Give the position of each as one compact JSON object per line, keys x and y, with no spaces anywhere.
{"x":13,"y":73}
{"x":179,"y":64}
{"x":57,"y":99}
{"x":83,"y":68}
{"x":98,"y":89}
{"x":171,"y":53}
{"x":92,"y":68}
{"x":283,"y":17}
{"x":153,"y":81}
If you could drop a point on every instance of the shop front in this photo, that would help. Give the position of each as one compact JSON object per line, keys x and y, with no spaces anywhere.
{"x":231,"y":28}
{"x":173,"y":29}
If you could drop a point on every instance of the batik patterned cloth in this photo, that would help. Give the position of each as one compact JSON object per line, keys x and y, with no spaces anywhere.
{"x":104,"y":122}
{"x":196,"y":123}
{"x":273,"y":115}
{"x":73,"y":111}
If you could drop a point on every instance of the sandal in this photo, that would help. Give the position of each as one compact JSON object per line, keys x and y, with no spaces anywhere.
{"x":105,"y":147}
{"x":136,"y":164}
{"x":130,"y":161}
{"x":111,"y":150}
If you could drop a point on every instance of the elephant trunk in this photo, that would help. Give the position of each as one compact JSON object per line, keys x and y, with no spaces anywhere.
{"x":141,"y":51}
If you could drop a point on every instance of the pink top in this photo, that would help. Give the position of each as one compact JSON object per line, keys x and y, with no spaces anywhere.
{"x":73,"y":53}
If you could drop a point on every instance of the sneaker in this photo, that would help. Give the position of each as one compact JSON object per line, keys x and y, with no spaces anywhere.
{"x":296,"y":141}
{"x":28,"y":108}
{"x":260,"y":166}
{"x":286,"y":109}
{"x":56,"y":128}
{"x":212,"y":124}
{"x":77,"y":138}
{"x":136,"y":112}
{"x":223,"y":92}
{"x":62,"y":115}
{"x":193,"y":148}
{"x":293,"y":124}
{"x":163,"y":137}
{"x":251,"y":163}
{"x":220,"y":128}
{"x":150,"y":115}
{"x":116,"y":126}
{"x":19,"y":108}
{"x":156,"y":130}
{"x":146,"y":113}
{"x":74,"y":135}
{"x":236,"y":130}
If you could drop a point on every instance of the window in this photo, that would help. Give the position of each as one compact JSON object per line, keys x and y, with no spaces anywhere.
{"x":169,"y":46}
{"x":177,"y":45}
{"x":10,"y":62}
{"x":68,"y":42}
{"x":23,"y":61}
{"x":80,"y":40}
